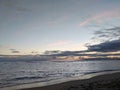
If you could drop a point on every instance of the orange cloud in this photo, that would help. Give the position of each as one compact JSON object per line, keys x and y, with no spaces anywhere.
{"x":101,"y":16}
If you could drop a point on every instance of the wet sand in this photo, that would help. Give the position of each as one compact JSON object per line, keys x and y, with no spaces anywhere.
{"x":109,"y":81}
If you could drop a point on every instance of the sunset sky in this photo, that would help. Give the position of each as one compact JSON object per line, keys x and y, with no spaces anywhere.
{"x":35,"y":26}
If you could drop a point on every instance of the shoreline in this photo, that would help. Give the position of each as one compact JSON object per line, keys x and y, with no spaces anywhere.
{"x":77,"y":83}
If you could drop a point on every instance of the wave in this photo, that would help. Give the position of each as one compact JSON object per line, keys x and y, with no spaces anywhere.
{"x":26,"y":78}
{"x":100,"y":71}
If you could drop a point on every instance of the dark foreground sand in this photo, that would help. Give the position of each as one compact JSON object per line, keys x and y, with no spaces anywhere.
{"x":109,"y":81}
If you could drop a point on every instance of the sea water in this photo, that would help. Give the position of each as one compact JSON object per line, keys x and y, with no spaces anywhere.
{"x":20,"y":72}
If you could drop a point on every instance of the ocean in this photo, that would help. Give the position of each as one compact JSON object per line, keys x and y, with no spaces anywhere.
{"x":21,"y":72}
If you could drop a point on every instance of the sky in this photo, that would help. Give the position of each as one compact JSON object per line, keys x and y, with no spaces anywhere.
{"x":37,"y":26}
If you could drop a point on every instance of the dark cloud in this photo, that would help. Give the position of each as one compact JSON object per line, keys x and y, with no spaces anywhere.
{"x":110,"y":43}
{"x":52,"y":52}
{"x":107,"y":34}
{"x":14,"y":51}
{"x":108,"y":46}
{"x":80,"y":53}
{"x":65,"y":53}
{"x":108,"y":40}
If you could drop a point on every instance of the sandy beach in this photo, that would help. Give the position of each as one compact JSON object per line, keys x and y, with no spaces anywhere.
{"x":103,"y":81}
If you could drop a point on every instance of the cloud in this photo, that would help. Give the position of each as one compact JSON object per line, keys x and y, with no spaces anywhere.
{"x":52,"y":52}
{"x":111,"y":43}
{"x":79,"y":54}
{"x":101,"y":16}
{"x":107,"y":34}
{"x":14,"y":51}
{"x":108,"y":40}
{"x":108,"y":46}
{"x":65,"y":53}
